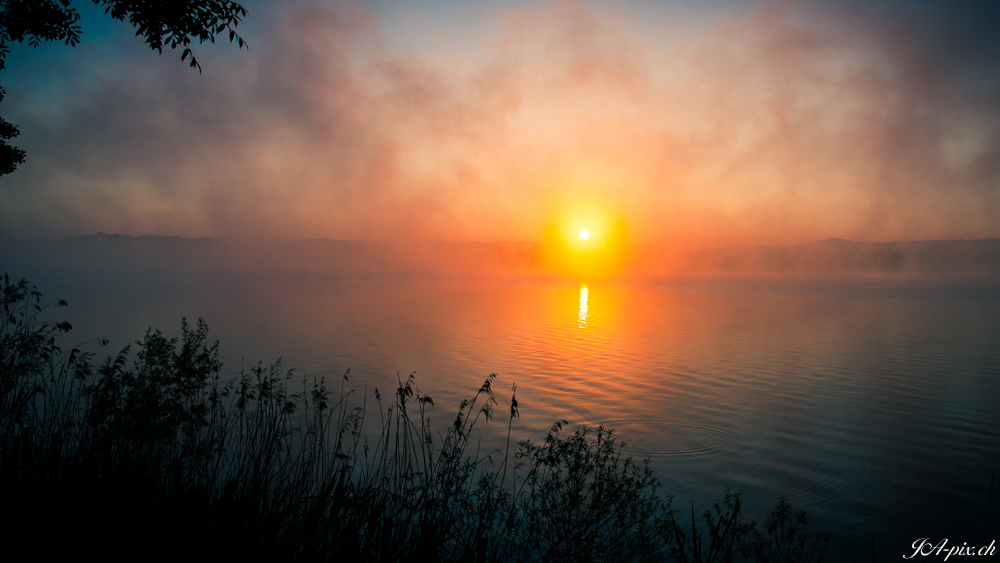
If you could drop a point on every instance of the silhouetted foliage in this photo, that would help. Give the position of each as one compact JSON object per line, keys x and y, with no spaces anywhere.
{"x":35,"y":21}
{"x":161,"y":23}
{"x":165,"y":460}
{"x":160,"y":397}
{"x":10,"y":156}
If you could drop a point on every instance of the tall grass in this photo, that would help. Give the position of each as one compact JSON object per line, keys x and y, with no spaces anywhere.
{"x":153,"y":454}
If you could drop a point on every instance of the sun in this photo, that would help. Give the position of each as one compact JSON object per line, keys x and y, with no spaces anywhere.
{"x":585,"y":240}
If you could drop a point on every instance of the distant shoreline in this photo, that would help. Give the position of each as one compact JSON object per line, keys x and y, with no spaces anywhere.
{"x":153,"y":253}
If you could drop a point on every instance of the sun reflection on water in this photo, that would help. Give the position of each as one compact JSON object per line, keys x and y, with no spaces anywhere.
{"x":581,"y":319}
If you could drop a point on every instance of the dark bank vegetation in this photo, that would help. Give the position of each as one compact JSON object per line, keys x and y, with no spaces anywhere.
{"x":103,"y":254}
{"x":152,"y":454}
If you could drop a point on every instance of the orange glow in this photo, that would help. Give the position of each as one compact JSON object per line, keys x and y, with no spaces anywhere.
{"x":762,"y":127}
{"x":597,"y":251}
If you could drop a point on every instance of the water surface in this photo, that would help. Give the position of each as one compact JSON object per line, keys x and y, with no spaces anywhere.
{"x":872,"y":402}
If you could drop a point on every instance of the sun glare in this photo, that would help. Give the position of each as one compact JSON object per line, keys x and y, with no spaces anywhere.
{"x":585,"y":240}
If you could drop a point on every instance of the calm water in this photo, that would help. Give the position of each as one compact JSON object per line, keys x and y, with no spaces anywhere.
{"x":874,"y":403}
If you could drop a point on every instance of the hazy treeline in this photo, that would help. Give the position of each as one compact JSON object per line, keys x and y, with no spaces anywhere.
{"x":104,"y":253}
{"x":115,"y":253}
{"x":838,"y":255}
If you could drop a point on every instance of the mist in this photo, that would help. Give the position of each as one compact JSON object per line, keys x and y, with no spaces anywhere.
{"x":772,"y":123}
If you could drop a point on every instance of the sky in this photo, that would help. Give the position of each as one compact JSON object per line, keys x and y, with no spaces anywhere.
{"x":695,"y":124}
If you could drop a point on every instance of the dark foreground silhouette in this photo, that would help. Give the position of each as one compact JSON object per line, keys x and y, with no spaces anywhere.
{"x":152,"y":455}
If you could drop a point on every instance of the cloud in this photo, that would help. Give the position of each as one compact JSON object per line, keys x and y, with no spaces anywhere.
{"x":784,"y":123}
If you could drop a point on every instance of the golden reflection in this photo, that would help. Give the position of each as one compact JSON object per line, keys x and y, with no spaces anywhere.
{"x":581,"y":319}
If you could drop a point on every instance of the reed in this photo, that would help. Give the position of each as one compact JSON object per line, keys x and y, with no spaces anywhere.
{"x":155,"y":455}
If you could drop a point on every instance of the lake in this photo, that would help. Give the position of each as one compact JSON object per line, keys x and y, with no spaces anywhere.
{"x":873,"y":402}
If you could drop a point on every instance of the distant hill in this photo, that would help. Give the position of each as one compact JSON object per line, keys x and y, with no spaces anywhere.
{"x":118,"y":254}
{"x":112,"y":254}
